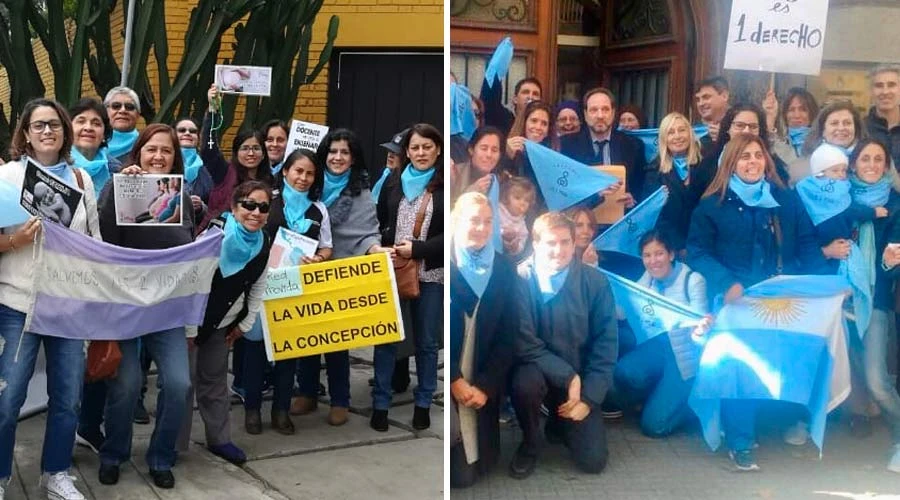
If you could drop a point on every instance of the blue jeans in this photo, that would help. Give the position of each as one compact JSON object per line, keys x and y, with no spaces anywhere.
{"x":427,"y":319}
{"x":338,"y":367}
{"x":879,"y":382}
{"x":255,"y":367}
{"x":65,"y":373}
{"x":650,"y":371}
{"x":168,"y":349}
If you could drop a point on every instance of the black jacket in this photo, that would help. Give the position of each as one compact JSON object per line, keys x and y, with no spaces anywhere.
{"x":878,"y":129}
{"x":675,"y":217}
{"x":623,"y":150}
{"x":430,"y":251}
{"x":276,"y":219}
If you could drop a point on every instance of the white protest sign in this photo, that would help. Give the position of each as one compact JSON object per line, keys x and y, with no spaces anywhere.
{"x":304,"y":135}
{"x":248,"y":80}
{"x":779,"y":36}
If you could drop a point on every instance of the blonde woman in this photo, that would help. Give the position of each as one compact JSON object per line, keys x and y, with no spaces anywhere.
{"x":679,"y":155}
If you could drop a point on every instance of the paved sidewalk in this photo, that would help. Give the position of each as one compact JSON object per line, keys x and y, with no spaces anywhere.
{"x":318,"y":462}
{"x":682,"y":467}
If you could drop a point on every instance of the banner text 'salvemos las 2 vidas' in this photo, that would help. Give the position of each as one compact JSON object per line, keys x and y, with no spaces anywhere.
{"x":331,"y":306}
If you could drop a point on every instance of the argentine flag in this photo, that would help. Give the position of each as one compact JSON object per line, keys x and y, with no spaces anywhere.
{"x":624,"y":235}
{"x":563,"y":181}
{"x":784,"y":340}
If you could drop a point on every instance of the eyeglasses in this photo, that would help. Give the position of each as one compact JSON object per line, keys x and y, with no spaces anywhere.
{"x":753,"y":127}
{"x":38,"y":126}
{"x":115,"y":106}
{"x":248,"y":149}
{"x":185,"y":130}
{"x":251,"y":205}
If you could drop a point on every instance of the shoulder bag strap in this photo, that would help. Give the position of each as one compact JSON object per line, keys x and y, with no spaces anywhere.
{"x":420,"y":216}
{"x":80,"y":182}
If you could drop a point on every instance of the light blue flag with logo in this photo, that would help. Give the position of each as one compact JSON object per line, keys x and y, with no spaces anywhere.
{"x":11,"y":211}
{"x":563,"y":181}
{"x":624,"y":235}
{"x":462,"y":118}
{"x":493,"y":196}
{"x":785,"y":340}
{"x":650,"y":138}
{"x":861,"y":275}
{"x":648,"y":313}
{"x":498,"y":65}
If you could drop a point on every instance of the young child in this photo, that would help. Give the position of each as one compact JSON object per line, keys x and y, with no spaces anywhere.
{"x":826,"y":196}
{"x":517,"y":195}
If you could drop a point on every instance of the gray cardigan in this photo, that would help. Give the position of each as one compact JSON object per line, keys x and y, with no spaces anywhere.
{"x":354,"y":224}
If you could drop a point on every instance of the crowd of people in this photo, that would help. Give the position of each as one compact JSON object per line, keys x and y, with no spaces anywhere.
{"x":785,"y":186}
{"x":326,"y":195}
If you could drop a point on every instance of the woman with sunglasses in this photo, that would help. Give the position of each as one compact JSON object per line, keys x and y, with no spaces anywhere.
{"x":249,"y":161}
{"x":44,"y":136}
{"x":123,"y":109}
{"x":156,"y":151}
{"x":196,"y":176}
{"x":235,"y":298}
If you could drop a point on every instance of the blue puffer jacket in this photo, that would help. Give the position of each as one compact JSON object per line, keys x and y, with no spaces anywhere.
{"x":730,"y":242}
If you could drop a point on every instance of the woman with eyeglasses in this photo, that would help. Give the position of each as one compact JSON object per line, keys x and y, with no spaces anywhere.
{"x":123,"y":109}
{"x":90,"y":124}
{"x":43,"y":135}
{"x":235,"y":298}
{"x":300,"y":210}
{"x":156,"y":151}
{"x":196,"y":176}
{"x":249,"y":161}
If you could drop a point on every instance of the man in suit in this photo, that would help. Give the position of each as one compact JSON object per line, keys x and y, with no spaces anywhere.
{"x":598,"y":143}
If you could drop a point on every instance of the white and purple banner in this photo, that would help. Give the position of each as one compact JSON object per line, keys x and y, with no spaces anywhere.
{"x":87,"y":289}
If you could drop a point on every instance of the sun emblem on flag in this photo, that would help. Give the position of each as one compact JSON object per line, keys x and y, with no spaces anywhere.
{"x":777,"y":311}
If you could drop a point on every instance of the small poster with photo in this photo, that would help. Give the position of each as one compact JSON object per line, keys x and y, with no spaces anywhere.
{"x":247,"y":80}
{"x":47,"y":196}
{"x":149,"y":199}
{"x":289,"y":247}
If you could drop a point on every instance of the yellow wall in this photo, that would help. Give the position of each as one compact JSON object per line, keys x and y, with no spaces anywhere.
{"x":376,"y":24}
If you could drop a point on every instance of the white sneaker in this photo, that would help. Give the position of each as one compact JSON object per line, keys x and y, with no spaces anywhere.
{"x":60,"y":487}
{"x":797,"y":434}
{"x":893,"y":465}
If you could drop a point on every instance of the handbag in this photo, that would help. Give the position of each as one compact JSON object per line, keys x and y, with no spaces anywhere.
{"x":103,"y":356}
{"x":406,"y":271}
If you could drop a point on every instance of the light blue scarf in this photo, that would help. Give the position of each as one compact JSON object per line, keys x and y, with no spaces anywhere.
{"x":797,"y":136}
{"x":239,"y":246}
{"x":121,"y":142}
{"x":277,"y":167}
{"x":861,"y":271}
{"x":192,"y":164}
{"x":62,"y":170}
{"x":871,"y":195}
{"x":334,"y":185}
{"x":753,"y":195}
{"x":681,"y":166}
{"x":376,"y":189}
{"x":296,"y":203}
{"x":549,"y":283}
{"x":98,"y":168}
{"x":475,"y":266}
{"x":668,"y":281}
{"x":823,"y":197}
{"x":415,"y":181}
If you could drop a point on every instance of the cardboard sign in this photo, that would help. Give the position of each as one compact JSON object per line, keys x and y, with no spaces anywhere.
{"x":344,"y":304}
{"x":148,"y":200}
{"x":779,"y":36}
{"x":611,"y":210}
{"x":304,"y":135}
{"x":247,"y":80}
{"x":47,"y":196}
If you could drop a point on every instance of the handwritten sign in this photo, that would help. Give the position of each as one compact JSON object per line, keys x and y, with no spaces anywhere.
{"x":283,"y":282}
{"x":781,"y":36}
{"x":247,"y":80}
{"x":345,"y":304}
{"x":305,"y":135}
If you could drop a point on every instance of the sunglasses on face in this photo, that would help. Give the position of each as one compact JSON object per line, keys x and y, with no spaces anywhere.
{"x":185,"y":130}
{"x":250,"y":205}
{"x":115,"y":106}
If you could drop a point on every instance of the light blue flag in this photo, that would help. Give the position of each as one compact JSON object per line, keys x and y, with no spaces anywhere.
{"x":493,"y":196}
{"x":784,"y":340}
{"x":650,"y":138}
{"x":624,"y":235}
{"x":11,"y":211}
{"x":563,"y":181}
{"x":861,"y":275}
{"x":649,"y":313}
{"x":498,"y":66}
{"x":462,"y":118}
